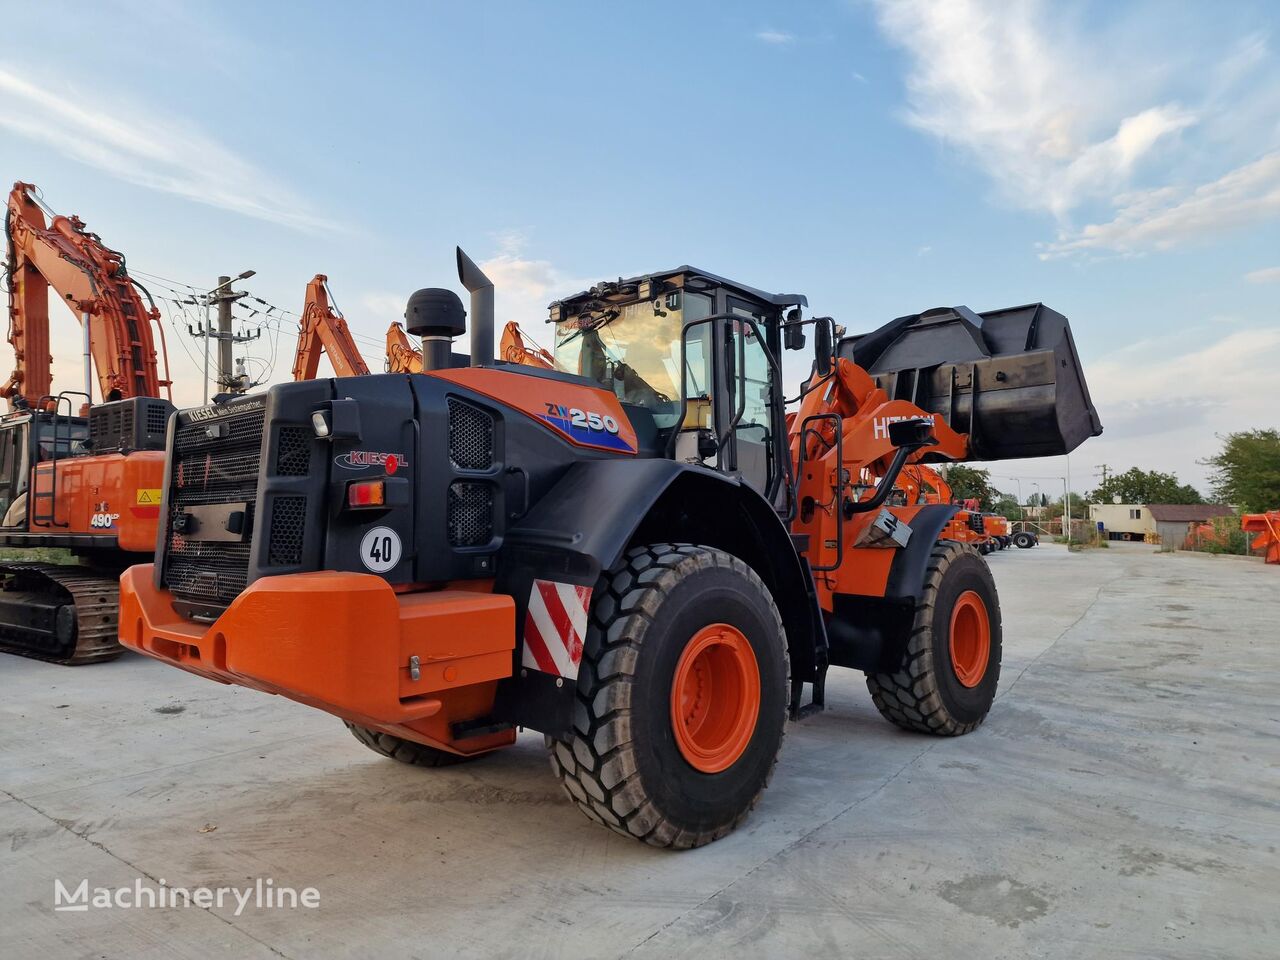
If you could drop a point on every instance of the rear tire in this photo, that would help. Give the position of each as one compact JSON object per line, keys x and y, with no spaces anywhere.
{"x":946,"y":678}
{"x":406,"y":751}
{"x":682,"y":697}
{"x":1023,"y":540}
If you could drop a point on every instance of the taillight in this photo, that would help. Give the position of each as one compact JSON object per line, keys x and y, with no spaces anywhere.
{"x":367,"y":493}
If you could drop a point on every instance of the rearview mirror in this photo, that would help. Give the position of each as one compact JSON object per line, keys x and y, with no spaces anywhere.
{"x":822,"y":346}
{"x":792,"y":332}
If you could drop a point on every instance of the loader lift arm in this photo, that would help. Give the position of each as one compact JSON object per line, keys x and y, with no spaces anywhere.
{"x":60,"y":254}
{"x":323,"y":329}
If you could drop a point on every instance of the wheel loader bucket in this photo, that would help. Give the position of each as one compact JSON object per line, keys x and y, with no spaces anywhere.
{"x":1009,"y":378}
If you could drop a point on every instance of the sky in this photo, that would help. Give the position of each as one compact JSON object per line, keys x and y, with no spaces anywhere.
{"x":1119,"y":161}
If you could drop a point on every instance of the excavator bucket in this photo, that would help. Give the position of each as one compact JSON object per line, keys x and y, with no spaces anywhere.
{"x":1009,"y":378}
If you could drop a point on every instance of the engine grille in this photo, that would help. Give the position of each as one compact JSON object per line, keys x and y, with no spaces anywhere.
{"x":293,"y":453}
{"x":470,"y":436}
{"x":288,"y":516}
{"x":213,"y":462}
{"x":139,"y":423}
{"x":470,"y":513}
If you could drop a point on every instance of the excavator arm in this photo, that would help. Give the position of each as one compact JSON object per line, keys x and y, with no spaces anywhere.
{"x":323,"y":329}
{"x":60,"y":254}
{"x":516,"y":348}
{"x":401,"y":355}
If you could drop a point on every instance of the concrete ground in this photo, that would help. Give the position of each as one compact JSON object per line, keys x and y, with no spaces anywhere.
{"x":1122,"y":800}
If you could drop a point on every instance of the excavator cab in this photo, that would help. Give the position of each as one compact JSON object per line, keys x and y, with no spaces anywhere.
{"x":28,"y":438}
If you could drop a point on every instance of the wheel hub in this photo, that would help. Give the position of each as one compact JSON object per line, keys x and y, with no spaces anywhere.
{"x":715,"y":698}
{"x":970,"y":639}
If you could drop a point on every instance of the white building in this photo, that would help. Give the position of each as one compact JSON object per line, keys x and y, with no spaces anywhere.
{"x":1124,"y":521}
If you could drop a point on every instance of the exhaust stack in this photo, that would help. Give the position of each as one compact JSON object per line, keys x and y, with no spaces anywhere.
{"x":481,"y":289}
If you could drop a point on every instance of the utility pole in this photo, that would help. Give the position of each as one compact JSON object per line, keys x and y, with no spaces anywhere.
{"x":1104,"y":471}
{"x":224,"y":300}
{"x":223,"y":297}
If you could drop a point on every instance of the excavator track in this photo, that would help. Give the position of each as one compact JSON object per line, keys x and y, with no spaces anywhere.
{"x":60,"y":614}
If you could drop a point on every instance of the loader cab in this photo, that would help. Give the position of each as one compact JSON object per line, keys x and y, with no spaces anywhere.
{"x":697,"y":353}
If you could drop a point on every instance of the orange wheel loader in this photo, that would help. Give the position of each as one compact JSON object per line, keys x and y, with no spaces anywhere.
{"x":634,"y":554}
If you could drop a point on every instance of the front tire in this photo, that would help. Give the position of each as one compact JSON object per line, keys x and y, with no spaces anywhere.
{"x":945,"y":680}
{"x":1023,"y":540}
{"x":682,"y":697}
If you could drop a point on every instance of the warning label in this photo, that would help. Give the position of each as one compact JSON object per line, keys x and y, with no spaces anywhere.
{"x":149,"y":497}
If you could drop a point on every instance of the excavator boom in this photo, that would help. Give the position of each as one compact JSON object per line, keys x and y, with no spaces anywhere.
{"x":401,"y":355}
{"x":60,"y":254}
{"x":323,"y":329}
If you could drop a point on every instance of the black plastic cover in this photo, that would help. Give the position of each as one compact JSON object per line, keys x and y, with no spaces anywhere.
{"x":139,"y":423}
{"x":1009,"y":378}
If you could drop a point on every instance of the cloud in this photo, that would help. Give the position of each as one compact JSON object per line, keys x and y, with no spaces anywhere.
{"x":1067,"y":121}
{"x":778,"y":38}
{"x":1162,"y":409}
{"x":163,"y":153}
{"x":1266,"y":275}
{"x":1167,"y":217}
{"x":383,"y":307}
{"x":523,"y":287}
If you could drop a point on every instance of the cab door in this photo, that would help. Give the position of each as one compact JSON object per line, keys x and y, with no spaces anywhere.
{"x":13,"y":466}
{"x":737,"y":373}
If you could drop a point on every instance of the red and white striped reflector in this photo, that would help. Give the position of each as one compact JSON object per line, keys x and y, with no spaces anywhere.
{"x":555,"y":627}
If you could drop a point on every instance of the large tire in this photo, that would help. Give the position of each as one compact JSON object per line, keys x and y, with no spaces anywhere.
{"x":1023,"y":540}
{"x":406,"y":751}
{"x":945,"y":681}
{"x":625,"y":764}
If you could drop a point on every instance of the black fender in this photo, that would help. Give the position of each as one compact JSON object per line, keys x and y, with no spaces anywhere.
{"x":599,"y":508}
{"x":906,"y":576}
{"x":867,"y":633}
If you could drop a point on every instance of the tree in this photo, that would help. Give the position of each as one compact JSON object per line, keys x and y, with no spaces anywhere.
{"x":1144,"y":486}
{"x":970,"y":483}
{"x":1246,"y":471}
{"x":1007,"y":506}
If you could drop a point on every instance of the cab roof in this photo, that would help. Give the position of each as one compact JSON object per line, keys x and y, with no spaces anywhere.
{"x":685,"y":277}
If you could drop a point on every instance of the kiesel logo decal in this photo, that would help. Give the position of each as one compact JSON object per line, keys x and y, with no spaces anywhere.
{"x":200,"y":414}
{"x":360,"y":459}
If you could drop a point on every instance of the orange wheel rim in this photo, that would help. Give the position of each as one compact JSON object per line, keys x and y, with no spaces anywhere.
{"x":715,"y":698}
{"x":970,"y":638}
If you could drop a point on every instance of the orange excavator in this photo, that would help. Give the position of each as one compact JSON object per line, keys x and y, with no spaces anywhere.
{"x":323,"y":328}
{"x":515,"y":347}
{"x":635,"y":554}
{"x":1267,"y":527}
{"x":986,"y":531}
{"x":402,"y":355}
{"x":74,"y":474}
